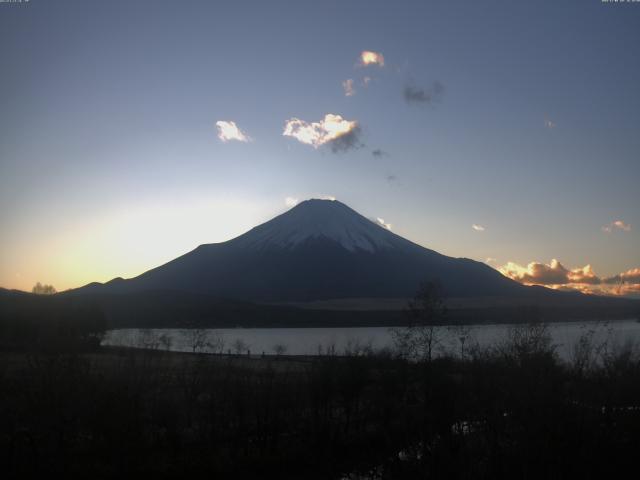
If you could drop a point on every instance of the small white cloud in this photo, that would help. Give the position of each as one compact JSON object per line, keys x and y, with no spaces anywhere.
{"x":490,"y":260}
{"x":327,"y":197}
{"x":228,"y":130}
{"x":617,"y":224}
{"x":478,"y":228}
{"x":368,"y":57}
{"x":332,"y":128}
{"x":290,"y":202}
{"x":380,"y":221}
{"x":347,"y":85}
{"x":549,"y":124}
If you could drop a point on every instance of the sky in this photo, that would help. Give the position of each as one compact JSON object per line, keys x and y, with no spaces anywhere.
{"x":506,"y":132}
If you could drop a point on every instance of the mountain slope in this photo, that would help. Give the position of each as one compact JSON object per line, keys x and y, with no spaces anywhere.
{"x":318,"y":250}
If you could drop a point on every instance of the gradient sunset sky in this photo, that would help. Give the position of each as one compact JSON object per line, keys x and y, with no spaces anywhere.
{"x":133,"y":131}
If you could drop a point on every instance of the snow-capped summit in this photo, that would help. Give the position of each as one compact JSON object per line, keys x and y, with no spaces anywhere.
{"x":321,"y":220}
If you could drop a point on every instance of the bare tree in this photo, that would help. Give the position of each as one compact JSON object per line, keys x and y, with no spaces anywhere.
{"x":462,"y":334}
{"x":527,"y":341}
{"x":197,"y":339}
{"x":166,"y":341}
{"x":239,"y":346}
{"x":216,"y":342}
{"x":148,"y":339}
{"x":426,"y":312}
{"x":593,"y":346}
{"x":279,"y":349}
{"x":355,"y":347}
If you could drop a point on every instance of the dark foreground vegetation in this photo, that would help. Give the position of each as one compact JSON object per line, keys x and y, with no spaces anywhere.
{"x":69,"y":407}
{"x":513,"y":411}
{"x":48,"y":323}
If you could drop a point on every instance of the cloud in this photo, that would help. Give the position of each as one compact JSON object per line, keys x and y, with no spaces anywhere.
{"x":584,"y":279}
{"x":552,"y":274}
{"x":290,"y":202}
{"x":368,"y":58}
{"x":423,"y":95}
{"x":549,"y":124}
{"x":391,"y":178}
{"x":584,"y":275}
{"x":478,"y":228}
{"x":380,"y":221}
{"x":348,"y":141}
{"x":630,"y":290}
{"x":347,"y":85}
{"x":340,"y":134}
{"x":327,"y":197}
{"x":378,"y":153}
{"x":490,"y":260}
{"x":630,"y":277}
{"x":230,"y":131}
{"x":537,"y":273}
{"x":617,"y":224}
{"x":617,"y":290}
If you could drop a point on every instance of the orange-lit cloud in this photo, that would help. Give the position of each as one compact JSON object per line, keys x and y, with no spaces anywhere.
{"x":347,"y":85}
{"x":617,"y":224}
{"x":368,"y":57}
{"x":584,"y":275}
{"x":478,"y":228}
{"x":334,"y":130}
{"x":537,"y":273}
{"x":228,"y":130}
{"x":629,"y":277}
{"x":557,"y":276}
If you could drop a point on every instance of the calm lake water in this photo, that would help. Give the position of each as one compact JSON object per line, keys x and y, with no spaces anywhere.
{"x":313,"y":341}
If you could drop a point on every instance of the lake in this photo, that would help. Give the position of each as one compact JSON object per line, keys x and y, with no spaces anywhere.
{"x":314,"y":341}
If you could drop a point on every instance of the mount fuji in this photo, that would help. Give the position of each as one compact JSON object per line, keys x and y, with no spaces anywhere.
{"x":317,"y":250}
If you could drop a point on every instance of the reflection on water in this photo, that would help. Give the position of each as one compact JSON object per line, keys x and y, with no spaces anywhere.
{"x":314,"y":341}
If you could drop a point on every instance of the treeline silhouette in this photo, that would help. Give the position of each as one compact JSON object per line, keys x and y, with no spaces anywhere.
{"x":510,"y":411}
{"x":49,"y":322}
{"x":174,"y":309}
{"x":40,"y":289}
